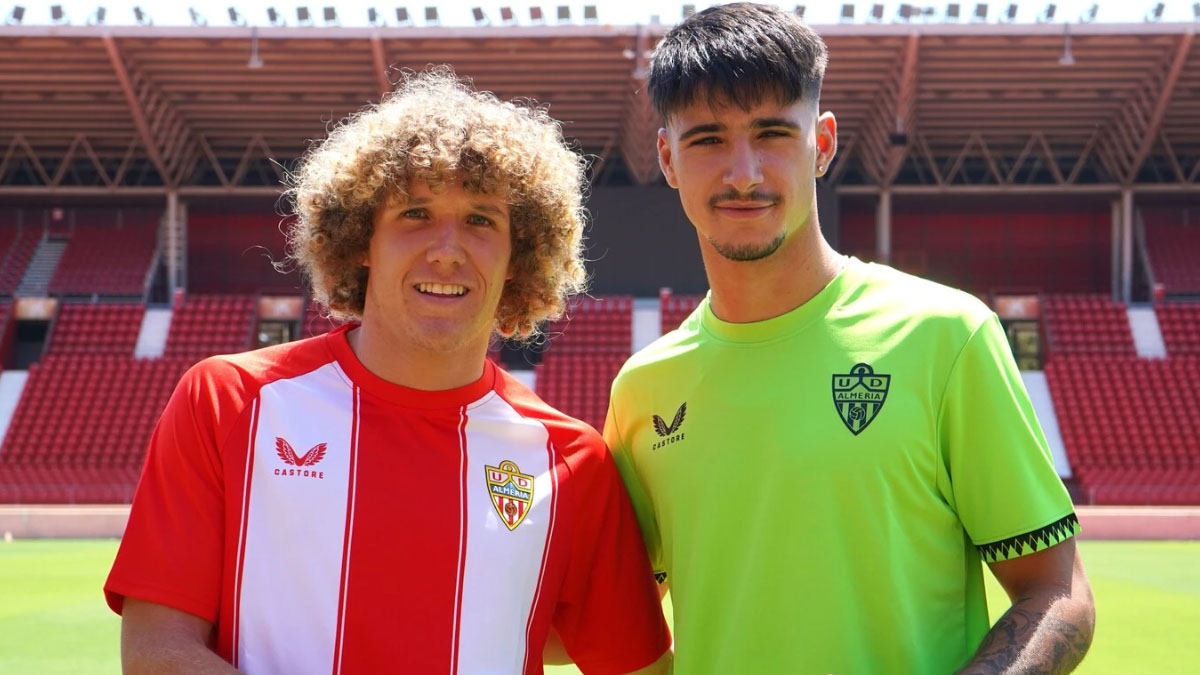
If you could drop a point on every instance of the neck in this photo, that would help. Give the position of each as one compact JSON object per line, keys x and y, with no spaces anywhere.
{"x":400,"y":362}
{"x":744,"y":292}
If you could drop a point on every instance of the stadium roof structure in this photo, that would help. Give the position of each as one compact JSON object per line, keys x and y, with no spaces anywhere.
{"x":930,"y":108}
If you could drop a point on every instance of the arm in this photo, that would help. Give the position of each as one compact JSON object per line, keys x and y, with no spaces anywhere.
{"x":1049,"y":627}
{"x":160,"y":639}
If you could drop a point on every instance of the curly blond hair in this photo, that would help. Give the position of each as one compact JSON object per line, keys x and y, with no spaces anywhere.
{"x":435,"y":128}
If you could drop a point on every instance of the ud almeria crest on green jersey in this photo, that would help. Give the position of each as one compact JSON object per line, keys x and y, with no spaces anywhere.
{"x":859,"y":395}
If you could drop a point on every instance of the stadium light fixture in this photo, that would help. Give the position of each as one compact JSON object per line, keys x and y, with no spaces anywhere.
{"x":507,"y":17}
{"x":402,"y":17}
{"x":1090,"y":15}
{"x":303,"y":16}
{"x":97,"y":17}
{"x":591,"y":14}
{"x":981,"y":12}
{"x":1048,"y":15}
{"x":876,"y":12}
{"x":254,"y":62}
{"x":1011,"y":15}
{"x":564,"y":14}
{"x":274,"y":18}
{"x":1155,"y":14}
{"x":1067,"y":58}
{"x":330,"y":16}
{"x":235,"y":18}
{"x":17,"y":15}
{"x":431,"y":17}
{"x":142,"y":17}
{"x":953,"y":11}
{"x":1196,"y":11}
{"x":800,"y":11}
{"x":373,"y":18}
{"x":847,"y":13}
{"x":57,"y":15}
{"x":196,"y":17}
{"x":904,"y":13}
{"x":480,"y":16}
{"x":536,"y":16}
{"x":688,"y":10}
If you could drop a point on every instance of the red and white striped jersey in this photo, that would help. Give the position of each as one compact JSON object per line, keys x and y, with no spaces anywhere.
{"x":328,"y":521}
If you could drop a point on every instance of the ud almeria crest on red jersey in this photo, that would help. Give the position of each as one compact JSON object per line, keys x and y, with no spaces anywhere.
{"x":511,"y":492}
{"x":288,"y":454}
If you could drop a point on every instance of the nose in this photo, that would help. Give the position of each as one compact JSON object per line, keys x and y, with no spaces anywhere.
{"x":446,"y":247}
{"x":744,"y":173}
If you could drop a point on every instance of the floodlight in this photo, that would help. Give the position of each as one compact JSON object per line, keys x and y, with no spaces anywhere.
{"x":847,"y":12}
{"x":142,"y":17}
{"x":1011,"y":15}
{"x":196,"y":17}
{"x":97,"y":18}
{"x":905,"y":13}
{"x":17,"y":16}
{"x":330,"y":15}
{"x":479,"y":16}
{"x":535,"y":15}
{"x":1196,"y":11}
{"x":1156,"y":13}
{"x":506,"y":16}
{"x":274,"y":18}
{"x":800,"y":11}
{"x":564,"y":14}
{"x":431,"y":16}
{"x":981,"y":11}
{"x":590,"y":14}
{"x":402,"y":16}
{"x":373,"y":17}
{"x":877,"y":13}
{"x":1090,"y":15}
{"x":952,"y":11}
{"x":1048,"y":15}
{"x":303,"y":17}
{"x":235,"y":18}
{"x":57,"y":15}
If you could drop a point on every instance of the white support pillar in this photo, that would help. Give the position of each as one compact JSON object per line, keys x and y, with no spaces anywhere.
{"x":883,"y":227}
{"x":175,"y":241}
{"x":1126,"y":244}
{"x":1116,"y":249}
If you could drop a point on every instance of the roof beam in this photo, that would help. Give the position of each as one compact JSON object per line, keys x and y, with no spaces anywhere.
{"x":639,"y":123}
{"x":905,"y":112}
{"x":379,"y":60}
{"x":1149,"y":133}
{"x":135,"y":108}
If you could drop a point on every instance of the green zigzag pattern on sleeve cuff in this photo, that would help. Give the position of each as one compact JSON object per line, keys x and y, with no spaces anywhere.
{"x":1043,"y":537}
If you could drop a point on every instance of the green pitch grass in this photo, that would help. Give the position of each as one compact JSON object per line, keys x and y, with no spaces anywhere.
{"x":53,"y":618}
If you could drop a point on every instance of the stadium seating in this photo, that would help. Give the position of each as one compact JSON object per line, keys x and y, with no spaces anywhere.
{"x":204,"y":325}
{"x":17,"y":246}
{"x":112,"y":261}
{"x":96,"y":329}
{"x":1173,"y":244}
{"x":315,"y":321}
{"x":80,"y":431}
{"x":1180,"y":326}
{"x":1086,"y":324}
{"x":236,"y":253}
{"x":1131,"y":426}
{"x":673,"y":309}
{"x":599,"y":325}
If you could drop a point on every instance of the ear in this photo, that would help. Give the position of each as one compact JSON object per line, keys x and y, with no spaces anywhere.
{"x":666,"y":159}
{"x":826,"y":130}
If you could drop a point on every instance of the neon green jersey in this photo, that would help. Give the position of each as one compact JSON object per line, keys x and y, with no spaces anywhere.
{"x":820,"y":487}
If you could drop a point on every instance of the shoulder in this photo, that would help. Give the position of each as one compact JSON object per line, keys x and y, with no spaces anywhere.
{"x":574,"y":439}
{"x":895,"y":299}
{"x":661,"y":355}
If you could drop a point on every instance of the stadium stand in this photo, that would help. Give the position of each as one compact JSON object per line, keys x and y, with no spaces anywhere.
{"x":16,"y":254}
{"x":1180,"y":326}
{"x":81,"y":428}
{"x":1173,"y":245}
{"x":1131,"y":427}
{"x":204,"y":325}
{"x":315,"y":321}
{"x":586,"y":351}
{"x":673,"y":309}
{"x":1086,"y":324}
{"x":236,"y":252}
{"x":96,"y":329}
{"x":111,"y":261}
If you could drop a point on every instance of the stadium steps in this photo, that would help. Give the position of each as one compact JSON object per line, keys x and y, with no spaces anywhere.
{"x":1147,"y":338}
{"x":647,"y":322}
{"x":1043,"y":406}
{"x":152,"y":338}
{"x":41,"y":268}
{"x":12,"y":384}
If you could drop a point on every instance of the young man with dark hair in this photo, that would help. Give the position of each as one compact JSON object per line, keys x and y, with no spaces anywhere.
{"x":383,"y":499}
{"x":824,"y":452}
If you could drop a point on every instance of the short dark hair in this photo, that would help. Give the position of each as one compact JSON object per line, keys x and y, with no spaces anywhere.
{"x":739,"y":53}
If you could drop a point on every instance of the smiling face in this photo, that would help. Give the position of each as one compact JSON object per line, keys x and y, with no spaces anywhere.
{"x":746,"y":177}
{"x":437,"y":265}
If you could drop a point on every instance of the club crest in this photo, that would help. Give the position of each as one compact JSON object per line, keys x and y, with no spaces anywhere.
{"x":511,"y":492}
{"x":859,"y":396}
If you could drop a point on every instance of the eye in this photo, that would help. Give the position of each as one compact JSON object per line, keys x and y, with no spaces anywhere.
{"x":773,"y":133}
{"x":413,"y":213}
{"x":706,"y":140}
{"x":481,"y":221}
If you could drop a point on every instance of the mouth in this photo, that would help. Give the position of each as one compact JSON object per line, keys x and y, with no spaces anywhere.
{"x":744,"y":209}
{"x":441,"y":290}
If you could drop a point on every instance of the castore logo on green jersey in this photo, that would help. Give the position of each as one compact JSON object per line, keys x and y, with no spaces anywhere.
{"x":859,"y":395}
{"x":668,"y":432}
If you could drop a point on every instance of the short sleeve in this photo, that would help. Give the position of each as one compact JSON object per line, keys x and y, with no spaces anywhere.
{"x":642,"y":506}
{"x":610,"y":616}
{"x":171,"y":553}
{"x":1001,"y":478}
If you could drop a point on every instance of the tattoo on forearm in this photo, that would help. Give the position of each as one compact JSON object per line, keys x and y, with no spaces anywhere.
{"x":1030,"y":642}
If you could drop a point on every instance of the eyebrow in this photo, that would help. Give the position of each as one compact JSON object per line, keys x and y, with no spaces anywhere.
{"x":758,"y":123}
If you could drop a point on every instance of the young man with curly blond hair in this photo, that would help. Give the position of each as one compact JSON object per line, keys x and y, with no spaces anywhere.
{"x":383,"y":498}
